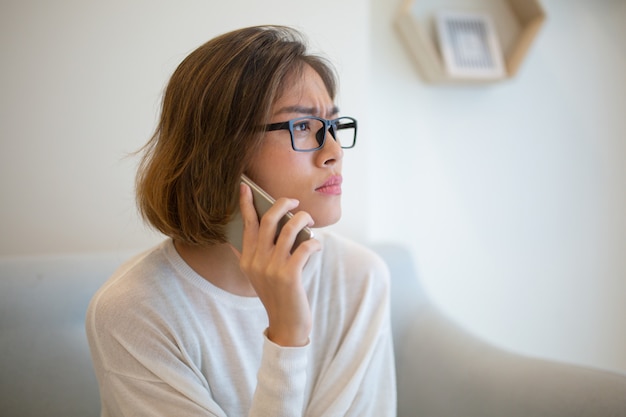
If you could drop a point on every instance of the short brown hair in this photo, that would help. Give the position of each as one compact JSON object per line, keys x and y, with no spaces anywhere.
{"x":187,"y":182}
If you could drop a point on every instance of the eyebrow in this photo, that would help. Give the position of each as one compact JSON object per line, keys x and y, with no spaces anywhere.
{"x":307,"y":110}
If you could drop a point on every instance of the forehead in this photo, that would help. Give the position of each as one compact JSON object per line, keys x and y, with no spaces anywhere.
{"x":304,"y":93}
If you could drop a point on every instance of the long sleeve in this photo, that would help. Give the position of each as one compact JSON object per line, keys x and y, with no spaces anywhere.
{"x":281,"y":381}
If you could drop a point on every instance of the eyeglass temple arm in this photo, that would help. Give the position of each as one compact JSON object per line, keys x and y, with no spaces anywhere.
{"x":277,"y":126}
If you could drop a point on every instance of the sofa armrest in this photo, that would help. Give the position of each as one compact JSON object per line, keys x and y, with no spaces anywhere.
{"x":445,"y":371}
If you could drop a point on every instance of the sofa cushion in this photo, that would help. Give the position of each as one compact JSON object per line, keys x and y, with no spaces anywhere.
{"x":46,"y":366}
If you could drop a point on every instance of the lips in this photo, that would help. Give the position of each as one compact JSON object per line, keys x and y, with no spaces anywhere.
{"x":332,"y":186}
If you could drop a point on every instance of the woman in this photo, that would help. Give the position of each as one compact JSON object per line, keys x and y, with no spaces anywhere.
{"x":195,"y":328}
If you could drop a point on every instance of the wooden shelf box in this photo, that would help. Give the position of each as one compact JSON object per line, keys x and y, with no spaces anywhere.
{"x":516,"y":22}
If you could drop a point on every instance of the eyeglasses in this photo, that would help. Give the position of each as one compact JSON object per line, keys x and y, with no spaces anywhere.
{"x":308,"y":134}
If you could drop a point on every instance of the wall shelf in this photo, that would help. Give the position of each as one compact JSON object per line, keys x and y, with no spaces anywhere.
{"x":517,"y":23}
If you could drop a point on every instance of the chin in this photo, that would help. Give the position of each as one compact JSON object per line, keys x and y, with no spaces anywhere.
{"x":328,"y":219}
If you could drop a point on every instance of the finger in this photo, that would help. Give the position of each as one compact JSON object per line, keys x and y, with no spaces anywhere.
{"x":269,"y":223}
{"x":249,"y":217}
{"x":303,"y":253}
{"x":286,"y":240}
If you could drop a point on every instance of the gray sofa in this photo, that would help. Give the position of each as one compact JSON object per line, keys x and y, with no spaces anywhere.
{"x":443,"y":371}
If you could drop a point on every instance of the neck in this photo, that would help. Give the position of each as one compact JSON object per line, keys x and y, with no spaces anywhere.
{"x":218,"y":264}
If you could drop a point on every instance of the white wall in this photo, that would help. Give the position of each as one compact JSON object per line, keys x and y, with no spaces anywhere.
{"x":511,"y":196}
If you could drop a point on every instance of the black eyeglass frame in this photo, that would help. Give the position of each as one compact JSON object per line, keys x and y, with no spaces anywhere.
{"x":328,"y":124}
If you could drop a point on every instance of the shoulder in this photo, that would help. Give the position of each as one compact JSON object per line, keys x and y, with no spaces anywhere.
{"x":353,"y":260}
{"x":343,"y":250}
{"x":352,"y":284}
{"x":136,"y":281}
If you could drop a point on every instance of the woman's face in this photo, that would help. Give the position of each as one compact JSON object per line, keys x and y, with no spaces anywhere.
{"x":313,"y":178}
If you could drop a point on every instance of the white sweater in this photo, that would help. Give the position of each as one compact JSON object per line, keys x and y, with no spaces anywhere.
{"x":166,"y":342}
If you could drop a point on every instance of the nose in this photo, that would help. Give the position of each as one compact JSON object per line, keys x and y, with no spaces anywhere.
{"x":331,"y":152}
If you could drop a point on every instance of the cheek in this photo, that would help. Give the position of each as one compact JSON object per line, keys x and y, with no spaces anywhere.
{"x":276,"y":168}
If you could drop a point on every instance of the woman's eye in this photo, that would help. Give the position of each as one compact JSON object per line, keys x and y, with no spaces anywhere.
{"x":301,"y":126}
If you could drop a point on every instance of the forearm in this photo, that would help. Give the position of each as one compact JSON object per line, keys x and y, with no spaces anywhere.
{"x":281,"y":381}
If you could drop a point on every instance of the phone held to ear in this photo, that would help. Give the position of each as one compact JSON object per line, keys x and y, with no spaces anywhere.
{"x":262,"y":203}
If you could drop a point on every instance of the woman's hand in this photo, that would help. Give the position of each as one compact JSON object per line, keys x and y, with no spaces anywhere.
{"x":275,"y":272}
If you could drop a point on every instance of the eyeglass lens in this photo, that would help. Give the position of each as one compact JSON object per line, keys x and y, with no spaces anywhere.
{"x":310,"y":133}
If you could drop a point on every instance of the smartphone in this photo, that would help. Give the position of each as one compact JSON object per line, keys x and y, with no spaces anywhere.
{"x":262,"y":203}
